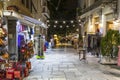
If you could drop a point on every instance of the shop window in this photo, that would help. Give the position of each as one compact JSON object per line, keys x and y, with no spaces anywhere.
{"x":109,"y":25}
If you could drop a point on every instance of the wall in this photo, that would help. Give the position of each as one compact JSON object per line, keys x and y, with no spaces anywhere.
{"x":21,"y":7}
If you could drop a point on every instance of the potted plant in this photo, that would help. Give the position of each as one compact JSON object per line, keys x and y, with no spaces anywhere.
{"x":109,"y":46}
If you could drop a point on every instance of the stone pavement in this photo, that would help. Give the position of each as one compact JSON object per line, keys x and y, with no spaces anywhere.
{"x":64,"y":64}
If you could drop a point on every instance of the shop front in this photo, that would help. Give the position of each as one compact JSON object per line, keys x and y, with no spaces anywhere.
{"x":16,"y":45}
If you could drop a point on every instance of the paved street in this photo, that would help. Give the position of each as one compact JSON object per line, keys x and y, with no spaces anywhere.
{"x":64,"y":64}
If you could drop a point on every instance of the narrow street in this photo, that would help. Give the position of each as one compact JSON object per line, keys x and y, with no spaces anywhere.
{"x":64,"y":64}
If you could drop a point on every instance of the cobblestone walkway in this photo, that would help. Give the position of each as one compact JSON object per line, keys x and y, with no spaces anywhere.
{"x":64,"y":64}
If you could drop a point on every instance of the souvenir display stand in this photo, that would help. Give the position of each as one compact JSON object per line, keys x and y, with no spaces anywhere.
{"x":3,"y":48}
{"x":20,"y":48}
{"x":16,"y":45}
{"x":16,"y":48}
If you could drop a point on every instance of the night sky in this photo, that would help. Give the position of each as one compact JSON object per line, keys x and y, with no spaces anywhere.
{"x":62,"y":10}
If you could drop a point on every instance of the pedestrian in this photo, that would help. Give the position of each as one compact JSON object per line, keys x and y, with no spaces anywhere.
{"x":98,"y":40}
{"x":46,"y":44}
{"x":52,"y":42}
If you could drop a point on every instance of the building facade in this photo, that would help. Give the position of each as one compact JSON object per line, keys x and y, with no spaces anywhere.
{"x":41,"y":13}
{"x":25,"y":20}
{"x":31,"y":8}
{"x":98,"y":14}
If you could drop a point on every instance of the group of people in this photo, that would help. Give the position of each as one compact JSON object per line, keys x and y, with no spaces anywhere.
{"x":50,"y":44}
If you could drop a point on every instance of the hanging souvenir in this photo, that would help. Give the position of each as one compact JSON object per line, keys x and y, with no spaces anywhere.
{"x":1,"y":32}
{"x":5,"y":55}
{"x":28,"y":64}
{"x":1,"y":42}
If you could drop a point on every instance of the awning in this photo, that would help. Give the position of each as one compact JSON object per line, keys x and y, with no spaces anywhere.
{"x":23,"y":18}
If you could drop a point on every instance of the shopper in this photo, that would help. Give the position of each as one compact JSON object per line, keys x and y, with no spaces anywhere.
{"x":98,"y":39}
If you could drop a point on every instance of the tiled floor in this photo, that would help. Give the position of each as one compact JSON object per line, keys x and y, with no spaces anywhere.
{"x":64,"y":64}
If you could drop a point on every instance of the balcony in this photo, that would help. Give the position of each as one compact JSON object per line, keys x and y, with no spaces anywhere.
{"x":95,"y":5}
{"x":46,"y":12}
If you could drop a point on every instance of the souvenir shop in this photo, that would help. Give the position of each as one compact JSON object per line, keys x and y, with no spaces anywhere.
{"x":16,"y":47}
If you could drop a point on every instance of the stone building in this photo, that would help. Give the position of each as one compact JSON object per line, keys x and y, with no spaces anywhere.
{"x":98,"y":14}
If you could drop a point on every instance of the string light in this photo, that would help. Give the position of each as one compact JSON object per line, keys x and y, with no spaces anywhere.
{"x":79,"y":20}
{"x":48,"y":25}
{"x":60,"y":26}
{"x":56,"y":22}
{"x":64,"y":22}
{"x":67,"y":26}
{"x":54,"y":25}
{"x":73,"y":25}
{"x":48,"y":21}
{"x":72,"y":21}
